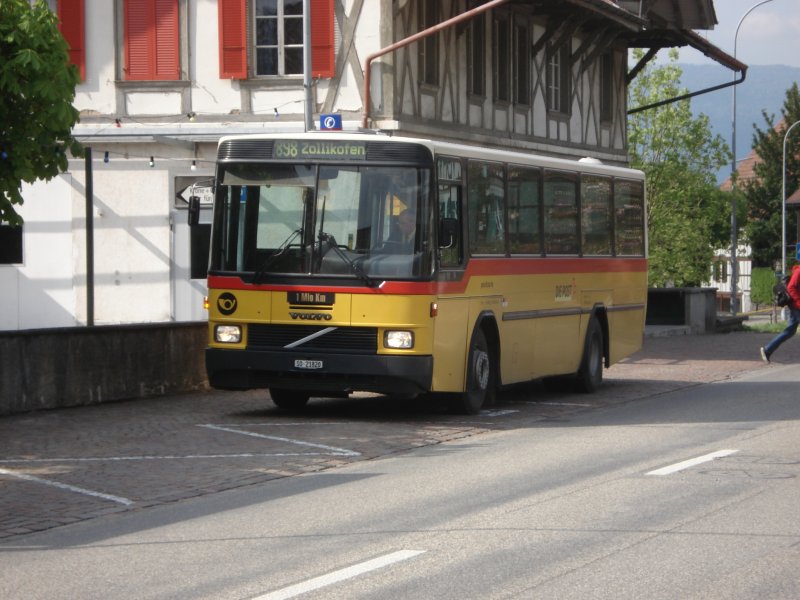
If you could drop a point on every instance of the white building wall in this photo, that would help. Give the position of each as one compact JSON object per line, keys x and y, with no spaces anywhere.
{"x":97,"y":94}
{"x":41,"y":291}
{"x":131,"y":243}
{"x":210,"y":94}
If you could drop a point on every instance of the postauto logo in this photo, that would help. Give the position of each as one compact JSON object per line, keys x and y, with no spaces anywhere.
{"x":227,"y":303}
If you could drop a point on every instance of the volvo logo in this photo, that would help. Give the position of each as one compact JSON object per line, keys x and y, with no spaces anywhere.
{"x":310,"y":316}
{"x":226,"y":303}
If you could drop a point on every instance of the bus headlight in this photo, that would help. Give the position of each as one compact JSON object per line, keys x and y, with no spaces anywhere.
{"x":402,"y":340}
{"x":228,"y":334}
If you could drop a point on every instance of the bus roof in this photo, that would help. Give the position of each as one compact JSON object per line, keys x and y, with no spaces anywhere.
{"x":456,"y":149}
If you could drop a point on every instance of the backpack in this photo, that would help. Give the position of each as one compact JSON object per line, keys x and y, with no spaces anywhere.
{"x":780,"y":295}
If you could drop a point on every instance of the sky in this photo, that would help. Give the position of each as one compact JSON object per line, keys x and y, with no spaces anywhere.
{"x":768,"y":35}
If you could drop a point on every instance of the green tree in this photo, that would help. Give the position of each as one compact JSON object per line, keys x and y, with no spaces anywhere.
{"x":688,"y":217}
{"x":762,"y":281}
{"x":763,"y":193}
{"x":37,"y":87}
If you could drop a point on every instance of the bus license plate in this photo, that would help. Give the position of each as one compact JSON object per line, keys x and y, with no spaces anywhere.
{"x":308,"y":364}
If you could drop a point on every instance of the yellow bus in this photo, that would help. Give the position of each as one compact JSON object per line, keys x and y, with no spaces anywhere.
{"x":345,"y":262}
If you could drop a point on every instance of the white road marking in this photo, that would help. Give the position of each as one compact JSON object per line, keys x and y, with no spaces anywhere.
{"x":333,"y":451}
{"x":64,"y":486}
{"x":565,"y":404}
{"x":324,"y":451}
{"x":340,"y":575}
{"x":692,"y":462}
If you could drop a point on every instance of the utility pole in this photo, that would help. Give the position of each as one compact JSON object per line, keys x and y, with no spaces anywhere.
{"x":308,"y":110}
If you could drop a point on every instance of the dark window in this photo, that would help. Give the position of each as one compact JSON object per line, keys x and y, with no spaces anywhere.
{"x":522,"y":62}
{"x":450,"y":208}
{"x":429,"y":46}
{"x":279,"y":37}
{"x":560,"y":213}
{"x":486,"y":199}
{"x":606,"y":87}
{"x":523,"y":210}
{"x":10,"y":244}
{"x":273,"y":39}
{"x":629,"y":217}
{"x":720,"y":269}
{"x":596,"y":215}
{"x":477,"y":50}
{"x":451,"y":191}
{"x":501,"y":66}
{"x":558,"y":79}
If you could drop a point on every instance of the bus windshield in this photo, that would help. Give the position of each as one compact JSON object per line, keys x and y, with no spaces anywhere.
{"x":367,"y":222}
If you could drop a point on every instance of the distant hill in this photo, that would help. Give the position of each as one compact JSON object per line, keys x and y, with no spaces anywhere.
{"x":764,"y":88}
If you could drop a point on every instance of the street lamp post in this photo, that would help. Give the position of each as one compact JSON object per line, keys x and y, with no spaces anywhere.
{"x":783,"y":196}
{"x":734,"y":225}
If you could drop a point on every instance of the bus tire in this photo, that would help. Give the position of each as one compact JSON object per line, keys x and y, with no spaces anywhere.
{"x":480,"y":384}
{"x":590,"y":374}
{"x":288,"y":399}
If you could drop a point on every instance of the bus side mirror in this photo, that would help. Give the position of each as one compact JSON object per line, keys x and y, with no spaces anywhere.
{"x":194,"y":210}
{"x":448,"y":233}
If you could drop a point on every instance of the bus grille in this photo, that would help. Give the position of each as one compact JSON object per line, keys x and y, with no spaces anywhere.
{"x":360,"y":340}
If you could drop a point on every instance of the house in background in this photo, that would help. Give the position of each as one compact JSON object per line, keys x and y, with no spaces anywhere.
{"x":163,"y":80}
{"x":720,"y":275}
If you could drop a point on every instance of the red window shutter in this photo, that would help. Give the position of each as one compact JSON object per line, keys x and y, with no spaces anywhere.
{"x":71,"y":18}
{"x":152,"y":40}
{"x":232,"y":39}
{"x":167,"y":35}
{"x":323,"y":56}
{"x":138,"y":47}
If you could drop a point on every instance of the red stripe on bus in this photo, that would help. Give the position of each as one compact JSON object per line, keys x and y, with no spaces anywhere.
{"x":478,"y":267}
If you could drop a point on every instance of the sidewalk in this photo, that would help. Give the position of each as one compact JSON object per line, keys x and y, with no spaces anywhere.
{"x":668,"y":355}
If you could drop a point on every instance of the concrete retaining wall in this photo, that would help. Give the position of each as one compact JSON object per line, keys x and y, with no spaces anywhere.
{"x":692,"y":307}
{"x":53,"y":368}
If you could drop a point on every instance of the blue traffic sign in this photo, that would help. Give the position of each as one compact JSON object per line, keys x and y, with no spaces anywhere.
{"x":330,"y":122}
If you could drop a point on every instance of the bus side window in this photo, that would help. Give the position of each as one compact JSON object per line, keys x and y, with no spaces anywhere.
{"x":560,"y":212}
{"x":487,"y":204}
{"x":596,"y":215}
{"x":629,"y":217}
{"x":524,"y":208}
{"x":450,"y":250}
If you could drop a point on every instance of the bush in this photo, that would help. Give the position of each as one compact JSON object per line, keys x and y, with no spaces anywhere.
{"x":762,"y":281}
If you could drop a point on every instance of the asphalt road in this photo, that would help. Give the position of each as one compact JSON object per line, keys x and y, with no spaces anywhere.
{"x":547,"y":495}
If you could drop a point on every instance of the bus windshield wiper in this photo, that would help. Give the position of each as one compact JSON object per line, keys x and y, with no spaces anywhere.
{"x":270,"y":260}
{"x":326,"y":238}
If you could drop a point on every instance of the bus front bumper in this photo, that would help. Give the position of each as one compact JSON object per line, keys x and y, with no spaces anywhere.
{"x":318,"y":371}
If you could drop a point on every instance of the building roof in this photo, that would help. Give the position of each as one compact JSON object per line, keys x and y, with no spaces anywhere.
{"x":747,"y":170}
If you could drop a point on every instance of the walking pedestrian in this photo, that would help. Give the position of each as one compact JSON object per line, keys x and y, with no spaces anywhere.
{"x":793,"y":287}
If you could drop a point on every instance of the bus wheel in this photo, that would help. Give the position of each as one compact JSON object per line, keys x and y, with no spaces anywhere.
{"x":590,"y":375}
{"x":288,"y":399}
{"x":480,"y":387}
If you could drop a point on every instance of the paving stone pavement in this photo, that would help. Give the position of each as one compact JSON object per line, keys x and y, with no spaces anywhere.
{"x":63,"y":466}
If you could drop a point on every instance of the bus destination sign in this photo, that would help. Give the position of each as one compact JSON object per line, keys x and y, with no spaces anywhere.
{"x":320,"y":149}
